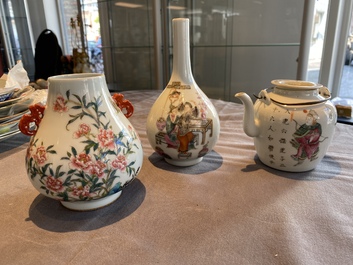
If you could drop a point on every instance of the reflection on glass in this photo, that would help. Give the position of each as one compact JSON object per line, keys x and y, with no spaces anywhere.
{"x":18,"y":34}
{"x":235,"y":45}
{"x":346,"y":88}
{"x":240,"y":45}
{"x":91,"y":29}
{"x":317,"y":39}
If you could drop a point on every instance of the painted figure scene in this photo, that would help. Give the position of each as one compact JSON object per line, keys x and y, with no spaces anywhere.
{"x":183,"y":126}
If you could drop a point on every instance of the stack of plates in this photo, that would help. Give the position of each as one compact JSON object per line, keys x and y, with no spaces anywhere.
{"x":14,"y":107}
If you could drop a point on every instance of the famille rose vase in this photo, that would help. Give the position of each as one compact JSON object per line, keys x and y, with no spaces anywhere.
{"x":182,"y":125}
{"x":83,"y":150}
{"x":292,"y":123}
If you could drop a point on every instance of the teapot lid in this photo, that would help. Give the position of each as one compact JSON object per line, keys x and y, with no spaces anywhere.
{"x":297,"y":92}
{"x":293,"y":84}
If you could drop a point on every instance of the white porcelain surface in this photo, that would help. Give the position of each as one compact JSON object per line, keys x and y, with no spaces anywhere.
{"x":84,"y":149}
{"x":295,"y":84}
{"x":182,"y":125}
{"x":293,"y":136}
{"x":91,"y":205}
{"x":286,"y":91}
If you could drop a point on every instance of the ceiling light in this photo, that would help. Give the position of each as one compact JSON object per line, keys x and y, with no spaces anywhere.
{"x":177,"y":7}
{"x":128,"y":5}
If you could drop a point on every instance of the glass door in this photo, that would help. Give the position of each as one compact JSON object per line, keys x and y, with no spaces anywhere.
{"x":127,"y":31}
{"x":317,"y":39}
{"x":235,"y":45}
{"x":15,"y":36}
{"x":92,"y":37}
{"x":346,"y":86}
{"x":331,"y":50}
{"x":240,"y":45}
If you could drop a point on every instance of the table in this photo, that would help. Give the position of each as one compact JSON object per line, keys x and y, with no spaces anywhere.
{"x":348,"y":102}
{"x":229,"y":209}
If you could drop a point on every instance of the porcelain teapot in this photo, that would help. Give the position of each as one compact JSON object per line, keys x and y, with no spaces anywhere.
{"x":292,"y":123}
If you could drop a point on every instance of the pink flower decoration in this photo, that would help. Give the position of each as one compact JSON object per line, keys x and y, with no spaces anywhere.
{"x":81,"y":191}
{"x":40,"y":156}
{"x":106,"y":139}
{"x":54,"y":184}
{"x":97,"y":169}
{"x":120,"y":162}
{"x":83,"y":129}
{"x":60,"y":104}
{"x":82,"y":161}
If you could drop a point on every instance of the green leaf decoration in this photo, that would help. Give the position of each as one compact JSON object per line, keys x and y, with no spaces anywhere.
{"x":87,"y":114}
{"x":72,"y":120}
{"x":67,"y":181}
{"x":45,"y":167}
{"x":84,"y":101}
{"x":49,"y":147}
{"x":73,"y":150}
{"x":101,"y":113}
{"x":71,"y":171}
{"x":78,"y":98}
{"x":90,"y":104}
{"x":51,"y":171}
{"x":57,"y":171}
{"x":65,"y":196}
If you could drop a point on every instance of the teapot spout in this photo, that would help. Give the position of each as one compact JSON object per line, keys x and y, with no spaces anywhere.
{"x":249,"y":125}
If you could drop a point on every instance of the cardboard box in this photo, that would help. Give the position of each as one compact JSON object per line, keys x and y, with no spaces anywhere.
{"x":344,"y":111}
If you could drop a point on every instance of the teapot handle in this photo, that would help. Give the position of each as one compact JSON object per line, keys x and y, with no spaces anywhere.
{"x":36,"y":116}
{"x":325,"y":92}
{"x":123,"y":104}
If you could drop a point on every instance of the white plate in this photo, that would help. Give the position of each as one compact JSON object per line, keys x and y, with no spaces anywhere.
{"x":6,"y":93}
{"x":15,"y":108}
{"x":18,"y":95}
{"x":13,"y":117}
{"x":8,"y":135}
{"x":9,"y":127}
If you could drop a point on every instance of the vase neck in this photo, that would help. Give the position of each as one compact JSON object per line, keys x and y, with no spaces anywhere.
{"x":181,"y":51}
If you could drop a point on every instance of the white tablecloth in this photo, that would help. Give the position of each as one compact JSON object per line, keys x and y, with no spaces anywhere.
{"x":229,"y":209}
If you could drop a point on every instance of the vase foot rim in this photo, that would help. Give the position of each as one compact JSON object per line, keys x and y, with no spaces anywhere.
{"x":183,"y":163}
{"x":91,"y":205}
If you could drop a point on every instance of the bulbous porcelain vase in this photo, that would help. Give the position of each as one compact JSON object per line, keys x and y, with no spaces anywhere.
{"x":83,"y":150}
{"x":292,"y":124}
{"x":182,"y":125}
